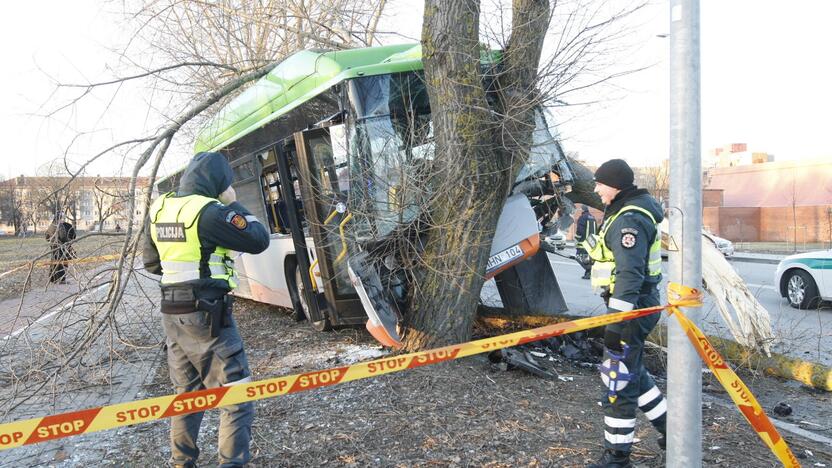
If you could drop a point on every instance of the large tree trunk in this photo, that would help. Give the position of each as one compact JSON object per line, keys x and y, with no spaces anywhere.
{"x":477,"y":153}
{"x":460,"y":214}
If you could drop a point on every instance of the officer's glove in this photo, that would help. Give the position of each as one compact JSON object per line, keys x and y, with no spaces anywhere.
{"x":606,"y":295}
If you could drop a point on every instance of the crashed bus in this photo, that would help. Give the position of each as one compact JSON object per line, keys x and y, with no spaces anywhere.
{"x":326,"y":149}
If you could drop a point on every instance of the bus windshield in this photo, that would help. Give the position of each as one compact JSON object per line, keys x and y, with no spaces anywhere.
{"x":391,"y":146}
{"x":391,"y":141}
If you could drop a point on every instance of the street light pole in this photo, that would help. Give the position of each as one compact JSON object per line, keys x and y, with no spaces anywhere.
{"x":684,"y":376}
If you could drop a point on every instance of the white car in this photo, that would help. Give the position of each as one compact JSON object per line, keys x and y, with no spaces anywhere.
{"x":805,"y":279}
{"x":723,"y":245}
{"x":558,"y":240}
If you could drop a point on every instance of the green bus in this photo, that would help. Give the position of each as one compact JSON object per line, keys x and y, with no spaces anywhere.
{"x":331,"y":148}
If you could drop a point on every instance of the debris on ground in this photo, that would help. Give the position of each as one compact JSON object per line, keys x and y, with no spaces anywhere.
{"x":782,"y":409}
{"x":464,"y":412}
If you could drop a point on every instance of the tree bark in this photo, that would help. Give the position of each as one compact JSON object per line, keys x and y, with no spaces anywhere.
{"x":447,"y":284}
{"x":478,"y":151}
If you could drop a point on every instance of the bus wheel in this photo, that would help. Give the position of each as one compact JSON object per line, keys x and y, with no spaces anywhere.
{"x":289,"y":268}
{"x":302,"y":305}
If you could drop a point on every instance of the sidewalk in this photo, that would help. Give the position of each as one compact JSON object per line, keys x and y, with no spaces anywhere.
{"x":114,"y":367}
{"x":748,"y":256}
{"x":39,"y":304}
{"x":754,"y":257}
{"x":772,"y":252}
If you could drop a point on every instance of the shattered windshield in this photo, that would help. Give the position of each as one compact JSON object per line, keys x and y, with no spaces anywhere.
{"x":391,"y":149}
{"x":391,"y":145}
{"x":545,"y":154}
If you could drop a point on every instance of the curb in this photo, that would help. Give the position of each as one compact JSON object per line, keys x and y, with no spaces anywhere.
{"x":740,"y":258}
{"x":808,"y":373}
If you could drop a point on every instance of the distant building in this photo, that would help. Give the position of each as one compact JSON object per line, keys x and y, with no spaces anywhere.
{"x":787,"y":201}
{"x":90,"y":203}
{"x":736,"y":154}
{"x":781,"y":183}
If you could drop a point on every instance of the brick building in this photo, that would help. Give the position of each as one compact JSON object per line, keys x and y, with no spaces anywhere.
{"x":787,"y":201}
{"x":762,"y":201}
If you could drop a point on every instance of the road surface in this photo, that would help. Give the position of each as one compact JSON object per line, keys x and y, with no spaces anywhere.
{"x":804,"y":334}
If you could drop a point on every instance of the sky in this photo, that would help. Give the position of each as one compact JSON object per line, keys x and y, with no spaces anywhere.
{"x":765,"y":82}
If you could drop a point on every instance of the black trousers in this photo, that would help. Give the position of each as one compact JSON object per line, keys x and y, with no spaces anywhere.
{"x":57,"y":269}
{"x":579,"y":252}
{"x":641,"y":392}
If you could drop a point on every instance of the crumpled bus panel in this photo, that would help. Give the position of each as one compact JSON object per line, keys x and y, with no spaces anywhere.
{"x":531,"y":288}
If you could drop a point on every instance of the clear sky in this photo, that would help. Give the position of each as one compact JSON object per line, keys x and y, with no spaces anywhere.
{"x":42,"y":41}
{"x":766,"y":77}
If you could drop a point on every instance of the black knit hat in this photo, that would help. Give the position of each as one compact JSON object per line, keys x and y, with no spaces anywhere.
{"x":615,"y":173}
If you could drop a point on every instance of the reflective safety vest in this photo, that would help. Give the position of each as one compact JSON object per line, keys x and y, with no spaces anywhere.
{"x":603,"y":270}
{"x":590,"y":228}
{"x":174,"y":223}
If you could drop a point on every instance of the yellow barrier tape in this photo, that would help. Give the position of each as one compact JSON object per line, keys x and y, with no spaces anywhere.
{"x":99,"y":258}
{"x":74,"y":261}
{"x":739,"y":392}
{"x":31,"y":431}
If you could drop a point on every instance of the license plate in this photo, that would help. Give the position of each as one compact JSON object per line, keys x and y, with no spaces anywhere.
{"x":501,"y":258}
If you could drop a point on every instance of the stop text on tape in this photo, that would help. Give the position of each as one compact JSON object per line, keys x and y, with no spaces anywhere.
{"x":36,"y":430}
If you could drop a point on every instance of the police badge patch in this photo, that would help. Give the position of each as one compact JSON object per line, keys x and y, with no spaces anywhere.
{"x":238,"y":222}
{"x":628,"y":240}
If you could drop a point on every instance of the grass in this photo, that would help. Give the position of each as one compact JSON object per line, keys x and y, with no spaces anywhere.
{"x":18,"y":251}
{"x":15,"y":251}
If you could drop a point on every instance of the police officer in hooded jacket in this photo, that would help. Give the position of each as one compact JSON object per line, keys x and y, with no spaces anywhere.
{"x":189,"y":241}
{"x":627,"y":271}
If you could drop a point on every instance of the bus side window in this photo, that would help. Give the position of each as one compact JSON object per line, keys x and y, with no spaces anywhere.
{"x":275,"y":203}
{"x":271,"y":190}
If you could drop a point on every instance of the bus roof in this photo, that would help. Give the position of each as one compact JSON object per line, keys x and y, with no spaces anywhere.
{"x":297,"y":79}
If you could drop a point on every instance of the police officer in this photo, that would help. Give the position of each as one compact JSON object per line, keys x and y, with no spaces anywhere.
{"x":627,"y":271}
{"x":191,"y":234}
{"x":60,"y":234}
{"x":585,"y":227}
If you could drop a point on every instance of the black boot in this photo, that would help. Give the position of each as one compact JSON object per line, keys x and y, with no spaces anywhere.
{"x":662,"y":441}
{"x":613,"y":459}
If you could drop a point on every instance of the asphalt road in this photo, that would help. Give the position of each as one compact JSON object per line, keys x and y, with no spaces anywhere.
{"x":805,"y":334}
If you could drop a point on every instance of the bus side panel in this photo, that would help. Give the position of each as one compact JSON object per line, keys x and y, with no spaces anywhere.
{"x":262,"y":277}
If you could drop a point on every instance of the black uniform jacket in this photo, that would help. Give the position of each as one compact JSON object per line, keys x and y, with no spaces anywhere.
{"x":208,"y":175}
{"x":629,"y":238}
{"x":580,"y":229}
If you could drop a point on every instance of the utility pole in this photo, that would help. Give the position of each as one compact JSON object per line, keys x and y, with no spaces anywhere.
{"x":684,"y":376}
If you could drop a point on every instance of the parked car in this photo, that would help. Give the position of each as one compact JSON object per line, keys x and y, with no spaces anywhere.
{"x":723,"y":245}
{"x":805,"y":279}
{"x":558,"y":240}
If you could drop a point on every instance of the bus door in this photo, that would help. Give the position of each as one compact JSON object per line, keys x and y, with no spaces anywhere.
{"x":324,"y":189}
{"x":306,"y":304}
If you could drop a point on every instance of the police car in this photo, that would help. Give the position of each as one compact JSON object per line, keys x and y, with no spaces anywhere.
{"x":805,"y":279}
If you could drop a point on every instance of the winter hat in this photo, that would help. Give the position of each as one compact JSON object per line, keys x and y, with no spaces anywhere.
{"x":615,"y":173}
